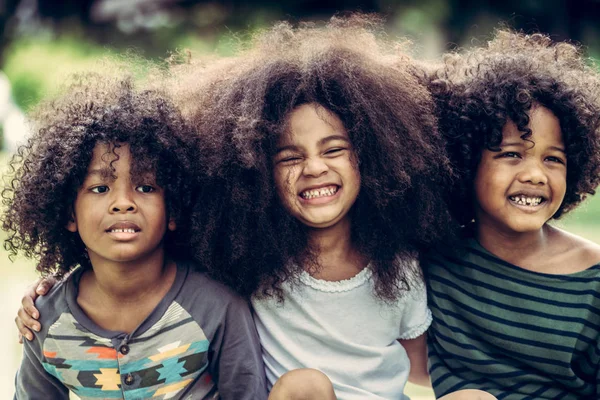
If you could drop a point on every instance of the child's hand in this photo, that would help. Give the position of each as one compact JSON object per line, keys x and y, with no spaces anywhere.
{"x":469,"y":394}
{"x":27,"y":315}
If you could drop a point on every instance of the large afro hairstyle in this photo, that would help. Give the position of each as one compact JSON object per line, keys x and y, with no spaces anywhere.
{"x":239,"y":106}
{"x":478,"y":90}
{"x":47,"y":171}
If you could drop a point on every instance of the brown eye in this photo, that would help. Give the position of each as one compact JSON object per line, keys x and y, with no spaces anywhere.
{"x":510,"y":154}
{"x":145,"y":189}
{"x":99,"y":189}
{"x":555,"y":160}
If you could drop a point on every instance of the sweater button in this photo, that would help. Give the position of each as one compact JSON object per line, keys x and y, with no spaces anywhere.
{"x":129,"y":379}
{"x":124,"y":349}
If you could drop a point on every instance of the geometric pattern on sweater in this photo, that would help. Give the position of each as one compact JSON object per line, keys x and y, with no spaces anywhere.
{"x":93,"y":368}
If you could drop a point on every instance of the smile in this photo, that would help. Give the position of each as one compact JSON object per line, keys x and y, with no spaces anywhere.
{"x":523,"y":200}
{"x":320,"y":192}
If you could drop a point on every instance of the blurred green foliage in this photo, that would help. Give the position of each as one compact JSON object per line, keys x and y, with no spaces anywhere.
{"x":36,"y":67}
{"x":588,"y":213}
{"x":38,"y":64}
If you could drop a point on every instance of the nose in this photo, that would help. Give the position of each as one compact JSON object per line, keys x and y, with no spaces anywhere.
{"x":123,"y":201}
{"x":315,"y":167}
{"x":533,"y":172}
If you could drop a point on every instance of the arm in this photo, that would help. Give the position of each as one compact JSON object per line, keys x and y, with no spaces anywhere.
{"x":27,"y":315}
{"x":468,"y":394}
{"x":413,"y":333}
{"x":237,"y":363}
{"x":416,"y":349}
{"x":32,"y":380}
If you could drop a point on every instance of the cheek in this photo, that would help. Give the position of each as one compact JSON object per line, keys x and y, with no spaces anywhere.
{"x":356,"y":177}
{"x":487,"y":185}
{"x":84,"y":211}
{"x":347,"y":167}
{"x":559,"y":182}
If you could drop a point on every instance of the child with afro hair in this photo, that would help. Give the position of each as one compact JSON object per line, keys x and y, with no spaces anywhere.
{"x":103,"y":191}
{"x":331,"y":170}
{"x":516,"y":308}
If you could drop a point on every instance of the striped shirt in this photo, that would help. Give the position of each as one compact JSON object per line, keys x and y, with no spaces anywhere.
{"x":514,"y":333}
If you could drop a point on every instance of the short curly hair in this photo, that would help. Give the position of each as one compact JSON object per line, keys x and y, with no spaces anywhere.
{"x":47,"y":171}
{"x":240,"y":105}
{"x":479,"y":90}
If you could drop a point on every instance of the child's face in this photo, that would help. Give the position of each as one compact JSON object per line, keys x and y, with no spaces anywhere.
{"x":521,"y":187}
{"x":315,"y":174}
{"x":118,"y":220}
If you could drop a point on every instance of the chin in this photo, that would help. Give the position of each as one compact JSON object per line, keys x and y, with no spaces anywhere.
{"x":127,"y":257}
{"x":320,"y":224}
{"x":526,"y":228}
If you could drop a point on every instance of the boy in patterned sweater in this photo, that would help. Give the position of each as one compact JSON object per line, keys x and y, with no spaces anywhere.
{"x":103,"y":191}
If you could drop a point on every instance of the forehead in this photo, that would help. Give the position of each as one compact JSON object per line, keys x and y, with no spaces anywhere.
{"x":309,"y":123}
{"x":110,"y":162}
{"x":107,"y":153}
{"x":544,"y":125}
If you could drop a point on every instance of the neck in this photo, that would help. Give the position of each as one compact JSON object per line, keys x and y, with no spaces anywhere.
{"x":130,"y":281}
{"x":513,"y":247}
{"x":338,"y":258}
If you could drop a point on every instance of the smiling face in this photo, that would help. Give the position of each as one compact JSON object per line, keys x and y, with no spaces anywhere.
{"x":315,"y":173}
{"x":520,"y":188}
{"x":118,"y":219}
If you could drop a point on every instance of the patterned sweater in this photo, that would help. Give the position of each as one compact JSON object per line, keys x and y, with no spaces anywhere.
{"x":200,"y":342}
{"x":514,"y":333}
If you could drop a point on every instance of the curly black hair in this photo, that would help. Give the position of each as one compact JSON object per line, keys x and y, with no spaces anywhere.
{"x":240,"y":105}
{"x":47,"y":171}
{"x":477,"y":91}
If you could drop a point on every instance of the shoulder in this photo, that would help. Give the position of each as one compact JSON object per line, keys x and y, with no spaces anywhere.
{"x":54,"y":304}
{"x":578,"y":250}
{"x":437,"y":259}
{"x":213,"y":305}
{"x":200,"y":288}
{"x":55,"y":300}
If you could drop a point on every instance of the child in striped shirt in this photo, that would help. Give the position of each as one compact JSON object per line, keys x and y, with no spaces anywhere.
{"x":517,"y":307}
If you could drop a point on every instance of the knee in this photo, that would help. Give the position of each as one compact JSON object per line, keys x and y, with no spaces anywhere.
{"x":303,"y":384}
{"x":469,"y":394}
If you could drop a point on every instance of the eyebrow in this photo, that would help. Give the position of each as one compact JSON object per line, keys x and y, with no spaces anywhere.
{"x":562,"y":150}
{"x":520,"y":144}
{"x":321,"y":142}
{"x":102,"y":172}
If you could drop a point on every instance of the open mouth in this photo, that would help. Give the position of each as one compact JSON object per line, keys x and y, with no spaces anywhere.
{"x":523,"y":200}
{"x":320,"y":192}
{"x":122,"y":231}
{"x":123,"y":227}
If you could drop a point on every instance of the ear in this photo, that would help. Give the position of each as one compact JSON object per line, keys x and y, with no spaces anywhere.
{"x":72,"y":224}
{"x":172,"y":225}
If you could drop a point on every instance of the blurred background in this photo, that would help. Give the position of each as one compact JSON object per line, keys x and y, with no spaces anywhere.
{"x":42,"y":42}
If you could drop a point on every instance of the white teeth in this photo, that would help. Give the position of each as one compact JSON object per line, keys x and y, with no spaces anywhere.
{"x":526,"y":201}
{"x":123,"y":230}
{"x":327,"y":191}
